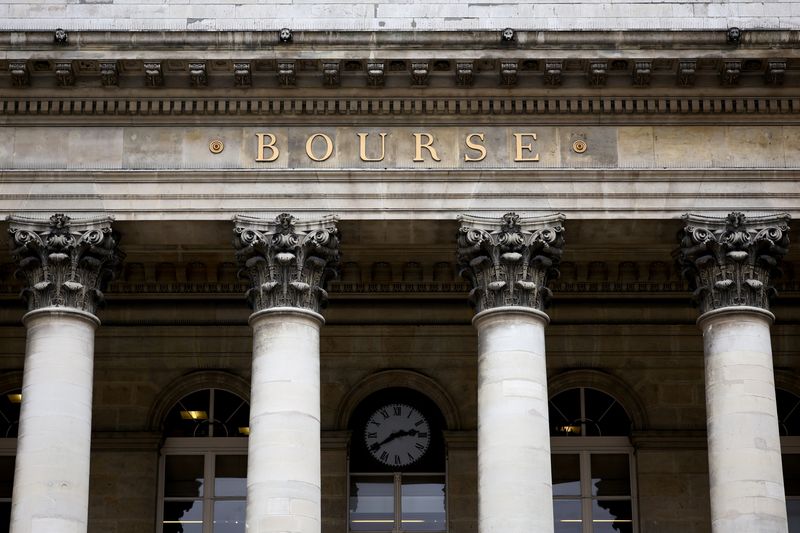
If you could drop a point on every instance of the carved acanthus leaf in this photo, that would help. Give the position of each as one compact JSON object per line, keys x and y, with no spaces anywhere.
{"x":732,"y":261}
{"x":65,"y":262}
{"x":510,"y":262}
{"x":287,"y":263}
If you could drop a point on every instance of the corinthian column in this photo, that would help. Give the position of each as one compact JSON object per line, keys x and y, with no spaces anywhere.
{"x":66,"y":264}
{"x":728,"y":263}
{"x":509,"y":263}
{"x":287,"y":264}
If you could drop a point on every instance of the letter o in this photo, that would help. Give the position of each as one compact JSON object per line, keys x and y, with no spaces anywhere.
{"x":310,"y":144}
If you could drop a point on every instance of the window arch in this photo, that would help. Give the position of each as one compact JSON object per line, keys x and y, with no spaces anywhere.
{"x":203,"y":466}
{"x":397,"y":463}
{"x":592,"y":462}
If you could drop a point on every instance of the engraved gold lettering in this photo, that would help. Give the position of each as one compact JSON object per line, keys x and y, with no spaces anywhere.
{"x":528,"y":147}
{"x":472,"y":145}
{"x":262,"y":146}
{"x":310,"y":146}
{"x":362,"y":146}
{"x":428,"y":145}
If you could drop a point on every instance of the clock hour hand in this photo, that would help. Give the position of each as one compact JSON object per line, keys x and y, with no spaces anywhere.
{"x":392,"y":436}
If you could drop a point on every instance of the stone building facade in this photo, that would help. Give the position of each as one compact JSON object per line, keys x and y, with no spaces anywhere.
{"x":363,"y":274}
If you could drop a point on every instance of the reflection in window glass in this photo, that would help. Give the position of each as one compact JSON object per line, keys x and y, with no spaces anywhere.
{"x":183,"y":476}
{"x":567,"y":515}
{"x":566,"y":474}
{"x":423,"y":503}
{"x":610,"y":474}
{"x":612,"y":516}
{"x":565,"y":413}
{"x":231,"y":415}
{"x":585,"y":412}
{"x":231,"y":476}
{"x":183,"y":517}
{"x":793,"y":511}
{"x":10,"y":403}
{"x":788,"y":413}
{"x":229,"y":516}
{"x":371,"y":503}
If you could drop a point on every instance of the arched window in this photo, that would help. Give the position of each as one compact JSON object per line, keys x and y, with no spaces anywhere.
{"x":593,"y":467}
{"x":789,"y":425}
{"x":203,"y":469}
{"x":397,"y":464}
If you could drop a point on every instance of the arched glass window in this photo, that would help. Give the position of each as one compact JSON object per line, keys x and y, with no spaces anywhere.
{"x":203,"y":466}
{"x":397,"y":464}
{"x":789,"y":426}
{"x":593,"y":467}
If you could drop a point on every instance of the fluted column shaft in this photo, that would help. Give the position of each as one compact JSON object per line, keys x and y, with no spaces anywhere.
{"x":288,"y":264}
{"x":729,"y":263}
{"x":65,"y":263}
{"x":509,"y":263}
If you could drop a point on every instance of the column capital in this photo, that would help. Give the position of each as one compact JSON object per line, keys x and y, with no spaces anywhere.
{"x":287,"y":262}
{"x":730,"y":261}
{"x":509,"y":261}
{"x":66,"y":262}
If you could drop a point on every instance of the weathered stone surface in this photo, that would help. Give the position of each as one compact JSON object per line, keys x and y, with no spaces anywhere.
{"x":731,"y":261}
{"x":511,"y":262}
{"x":65,"y":262}
{"x":287,"y":263}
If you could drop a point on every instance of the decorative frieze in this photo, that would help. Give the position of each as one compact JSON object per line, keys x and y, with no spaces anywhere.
{"x":65,"y":262}
{"x":419,"y":74}
{"x":376,"y":74}
{"x":287,"y":263}
{"x":242,"y":75}
{"x":331,"y":74}
{"x":109,"y":74}
{"x":730,"y":73}
{"x":687,"y":73}
{"x":65,"y":76}
{"x":153,"y":76}
{"x":510,"y":263}
{"x":552,"y":73}
{"x":642,"y":73}
{"x":732,"y":261}
{"x":20,"y":76}
{"x":508,"y":73}
{"x":775,"y":73}
{"x":198,"y":75}
{"x":465,"y":73}
{"x":597,"y":74}
{"x":287,"y":75}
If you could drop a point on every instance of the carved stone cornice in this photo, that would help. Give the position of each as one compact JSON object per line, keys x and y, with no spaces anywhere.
{"x":731,"y":261}
{"x":510,"y":262}
{"x":65,"y":262}
{"x":287,"y":263}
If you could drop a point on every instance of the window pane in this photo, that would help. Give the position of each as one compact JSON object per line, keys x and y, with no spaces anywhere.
{"x":610,"y":475}
{"x":9,"y":413}
{"x":567,"y":515}
{"x":788,"y":412}
{"x":612,"y":516}
{"x":793,"y":510}
{"x":565,"y":414}
{"x":183,"y":476}
{"x":5,"y":516}
{"x":371,"y":504}
{"x":566,"y":474}
{"x":183,"y":517}
{"x":791,"y":473}
{"x":423,"y":503}
{"x":231,"y":415}
{"x":189,"y":417}
{"x":6,"y":475}
{"x":605,"y":416}
{"x":229,"y":516}
{"x":231,"y":475}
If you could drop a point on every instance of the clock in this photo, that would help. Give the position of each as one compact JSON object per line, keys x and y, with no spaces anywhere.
{"x":397,"y":435}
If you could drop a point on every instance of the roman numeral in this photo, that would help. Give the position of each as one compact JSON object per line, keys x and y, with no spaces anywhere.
{"x":422,"y":435}
{"x":397,"y":459}
{"x":384,"y":456}
{"x":419,"y":446}
{"x":398,"y":410}
{"x":385,"y":413}
{"x":419,"y":422}
{"x":372,"y":435}
{"x":411,"y":457}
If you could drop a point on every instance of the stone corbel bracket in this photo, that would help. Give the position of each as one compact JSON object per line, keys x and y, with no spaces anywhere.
{"x":732,"y":261}
{"x":510,"y":261}
{"x":65,"y":262}
{"x":287,"y":263}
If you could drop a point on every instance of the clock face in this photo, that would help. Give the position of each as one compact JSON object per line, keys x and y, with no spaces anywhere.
{"x":397,"y":434}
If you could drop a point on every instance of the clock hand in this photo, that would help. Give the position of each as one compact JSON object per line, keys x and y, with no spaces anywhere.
{"x":395,"y":435}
